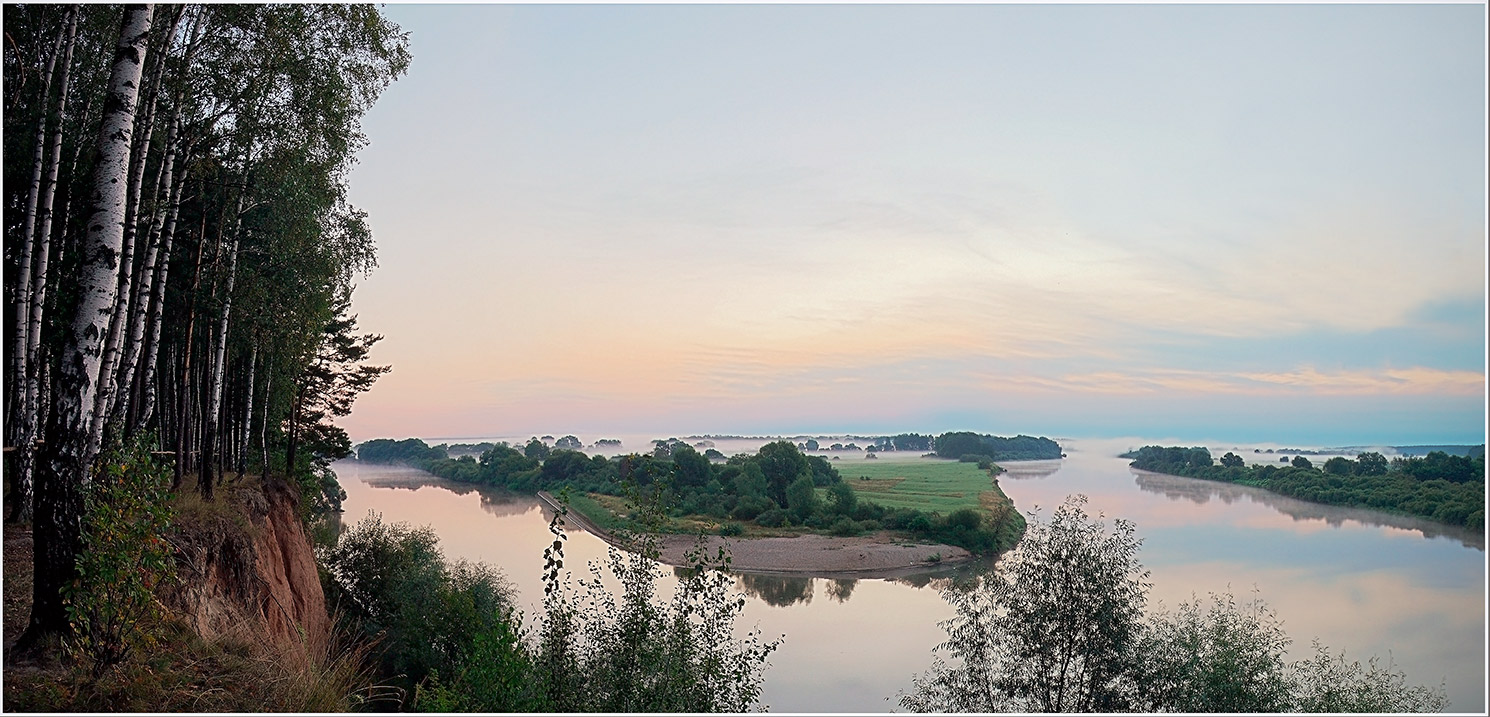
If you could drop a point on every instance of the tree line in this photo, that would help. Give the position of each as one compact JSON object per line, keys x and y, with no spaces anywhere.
{"x":1440,"y":487}
{"x":180,"y":251}
{"x":974,"y":447}
{"x":777,"y":487}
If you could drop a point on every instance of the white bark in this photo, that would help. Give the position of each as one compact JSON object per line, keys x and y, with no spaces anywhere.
{"x":29,"y":428}
{"x":213,"y":417}
{"x":146,"y":405}
{"x":139,"y":304}
{"x":84,"y":354}
{"x":28,"y":233}
{"x":248,"y":411}
{"x":68,"y":453}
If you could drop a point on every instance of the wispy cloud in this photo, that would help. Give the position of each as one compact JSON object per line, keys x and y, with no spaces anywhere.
{"x":1301,"y":381}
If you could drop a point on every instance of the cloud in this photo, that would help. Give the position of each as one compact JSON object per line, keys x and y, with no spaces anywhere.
{"x":1304,"y":380}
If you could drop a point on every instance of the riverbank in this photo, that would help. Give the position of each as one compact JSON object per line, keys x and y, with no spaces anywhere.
{"x":869,"y":556}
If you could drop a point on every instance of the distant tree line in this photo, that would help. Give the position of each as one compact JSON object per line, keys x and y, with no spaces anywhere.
{"x":778,"y":487}
{"x":1440,"y":487}
{"x":1019,"y":448}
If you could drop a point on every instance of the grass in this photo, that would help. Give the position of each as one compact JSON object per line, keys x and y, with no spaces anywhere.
{"x":927,"y":485}
{"x":605,"y":511}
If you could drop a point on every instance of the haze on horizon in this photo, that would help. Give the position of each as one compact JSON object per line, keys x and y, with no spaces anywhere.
{"x":1242,"y":223}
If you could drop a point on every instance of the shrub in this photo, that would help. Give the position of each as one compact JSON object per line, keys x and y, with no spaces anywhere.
{"x":126,"y":515}
{"x":844,"y":527}
{"x":751,"y":506}
{"x":731,"y":529}
{"x":392,"y":583}
{"x":773,"y":518}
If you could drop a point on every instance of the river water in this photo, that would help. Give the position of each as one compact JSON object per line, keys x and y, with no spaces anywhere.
{"x":1365,"y":582}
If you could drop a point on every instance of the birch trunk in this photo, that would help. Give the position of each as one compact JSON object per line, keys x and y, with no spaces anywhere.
{"x":182,"y":424}
{"x":68,"y":457}
{"x":18,"y":342}
{"x":29,"y":427}
{"x":248,"y":411}
{"x":264,"y":426}
{"x":212,"y":419}
{"x":139,"y":304}
{"x":145,"y":406}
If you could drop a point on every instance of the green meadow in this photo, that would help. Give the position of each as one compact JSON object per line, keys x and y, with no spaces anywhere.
{"x":929,"y":485}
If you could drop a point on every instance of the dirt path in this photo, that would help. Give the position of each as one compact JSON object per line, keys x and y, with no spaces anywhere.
{"x":869,"y":556}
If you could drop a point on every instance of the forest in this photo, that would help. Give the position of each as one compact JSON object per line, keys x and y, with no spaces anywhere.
{"x":179,"y":257}
{"x":779,"y":487}
{"x":1441,"y":487}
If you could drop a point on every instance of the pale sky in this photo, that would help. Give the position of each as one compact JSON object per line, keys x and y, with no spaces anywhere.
{"x":1249,"y":223}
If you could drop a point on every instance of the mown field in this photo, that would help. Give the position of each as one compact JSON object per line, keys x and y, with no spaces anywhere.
{"x":929,"y":485}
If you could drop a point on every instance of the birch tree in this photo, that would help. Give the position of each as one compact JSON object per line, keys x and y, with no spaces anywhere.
{"x":67,"y":457}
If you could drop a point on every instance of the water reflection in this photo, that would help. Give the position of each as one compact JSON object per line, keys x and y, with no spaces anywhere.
{"x":840,"y":590}
{"x":1024,"y":470}
{"x":777,"y":590}
{"x":1201,"y":492}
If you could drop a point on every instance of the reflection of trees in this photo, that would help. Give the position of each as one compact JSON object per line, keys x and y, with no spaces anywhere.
{"x":502,"y":503}
{"x":1200,"y":492}
{"x":840,"y":590}
{"x":778,"y":590}
{"x":1022,"y":470}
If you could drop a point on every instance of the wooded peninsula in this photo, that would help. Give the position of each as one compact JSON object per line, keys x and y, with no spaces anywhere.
{"x":778,"y":491}
{"x":1441,"y":487}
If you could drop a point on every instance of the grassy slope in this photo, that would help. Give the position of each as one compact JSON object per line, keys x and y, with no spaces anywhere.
{"x":929,"y":485}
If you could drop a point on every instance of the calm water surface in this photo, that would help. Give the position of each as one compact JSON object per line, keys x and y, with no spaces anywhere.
{"x":1361,"y":581}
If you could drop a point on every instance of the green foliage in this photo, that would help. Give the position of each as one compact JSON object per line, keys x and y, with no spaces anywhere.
{"x":842,"y":499}
{"x":773,"y":518}
{"x":495,"y":676}
{"x":731,"y":529}
{"x":536,"y":449}
{"x":410,"y":451}
{"x":780,"y":462}
{"x":126,"y":516}
{"x":1228,"y":659}
{"x":1053,"y":629}
{"x":1329,"y":683}
{"x":801,"y":498}
{"x":1059,"y":627}
{"x":632,"y":653}
{"x":1019,"y":448}
{"x":391,"y":583}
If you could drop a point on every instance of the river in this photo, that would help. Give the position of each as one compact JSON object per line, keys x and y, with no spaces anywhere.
{"x":1365,"y":582}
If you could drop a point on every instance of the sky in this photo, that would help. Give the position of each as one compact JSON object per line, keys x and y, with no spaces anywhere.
{"x":1246,"y":223}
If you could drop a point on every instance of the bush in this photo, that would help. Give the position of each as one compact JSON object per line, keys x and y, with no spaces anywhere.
{"x":844,"y":527}
{"x":773,"y":518}
{"x":126,"y":515}
{"x":964,"y":519}
{"x":751,"y":506}
{"x":1059,"y":626}
{"x":731,"y":529}
{"x":392,"y":583}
